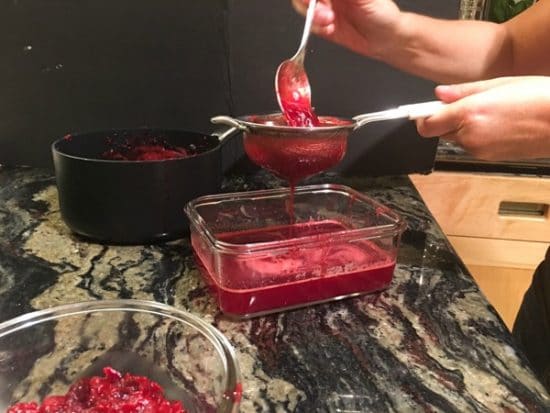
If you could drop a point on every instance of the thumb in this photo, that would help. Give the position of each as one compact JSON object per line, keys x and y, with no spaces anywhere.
{"x":451,"y":93}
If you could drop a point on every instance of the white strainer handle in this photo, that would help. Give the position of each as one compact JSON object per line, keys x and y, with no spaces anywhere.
{"x":412,"y":111}
{"x":422,"y":110}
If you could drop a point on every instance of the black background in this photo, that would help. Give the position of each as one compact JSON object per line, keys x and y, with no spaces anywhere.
{"x":80,"y":65}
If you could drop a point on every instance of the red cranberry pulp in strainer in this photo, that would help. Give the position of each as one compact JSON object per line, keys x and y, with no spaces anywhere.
{"x":298,"y":112}
{"x":295,"y":156}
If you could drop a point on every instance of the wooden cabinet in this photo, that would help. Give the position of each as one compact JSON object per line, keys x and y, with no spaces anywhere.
{"x":498,"y":225}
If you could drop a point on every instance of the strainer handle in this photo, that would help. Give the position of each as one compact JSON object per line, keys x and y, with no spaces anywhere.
{"x":412,"y":111}
{"x":229,"y":121}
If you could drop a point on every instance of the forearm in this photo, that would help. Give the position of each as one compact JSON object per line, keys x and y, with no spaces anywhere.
{"x":528,"y":32}
{"x":450,"y":51}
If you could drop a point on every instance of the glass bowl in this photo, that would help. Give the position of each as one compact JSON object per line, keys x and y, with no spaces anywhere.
{"x":42,"y":353}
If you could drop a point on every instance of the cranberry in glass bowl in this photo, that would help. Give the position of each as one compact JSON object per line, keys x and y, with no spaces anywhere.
{"x":48,"y":353}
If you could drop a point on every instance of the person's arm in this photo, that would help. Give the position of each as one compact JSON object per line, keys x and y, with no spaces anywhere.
{"x":530,"y":43}
{"x":504,"y":118}
{"x":449,"y":51}
{"x":465,"y":50}
{"x":446,"y":51}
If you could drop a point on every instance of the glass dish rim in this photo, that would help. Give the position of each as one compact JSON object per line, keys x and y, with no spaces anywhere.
{"x":222,"y":345}
{"x":395,"y":228}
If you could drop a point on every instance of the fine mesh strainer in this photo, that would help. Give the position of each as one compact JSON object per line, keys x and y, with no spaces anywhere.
{"x":294,"y":153}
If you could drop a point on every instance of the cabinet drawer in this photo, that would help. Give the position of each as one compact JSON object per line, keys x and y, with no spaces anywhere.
{"x":488,"y":206}
{"x":499,"y":252}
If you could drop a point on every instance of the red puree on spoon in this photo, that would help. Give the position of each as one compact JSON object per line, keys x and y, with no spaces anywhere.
{"x":297,"y":108}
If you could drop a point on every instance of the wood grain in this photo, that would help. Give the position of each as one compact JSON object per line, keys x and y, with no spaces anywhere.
{"x":467,"y":204}
{"x":503,"y":287}
{"x":499,"y":252}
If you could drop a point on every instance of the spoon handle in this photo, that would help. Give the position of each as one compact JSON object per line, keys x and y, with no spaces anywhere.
{"x":307,"y":27}
{"x":412,"y":111}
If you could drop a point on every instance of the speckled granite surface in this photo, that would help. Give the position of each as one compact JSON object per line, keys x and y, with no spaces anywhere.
{"x":430,"y":343}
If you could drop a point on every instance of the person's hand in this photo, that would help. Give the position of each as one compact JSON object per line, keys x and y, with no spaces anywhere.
{"x":499,"y":119}
{"x":368,"y":27}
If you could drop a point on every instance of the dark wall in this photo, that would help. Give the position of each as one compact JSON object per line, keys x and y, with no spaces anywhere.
{"x":79,"y":65}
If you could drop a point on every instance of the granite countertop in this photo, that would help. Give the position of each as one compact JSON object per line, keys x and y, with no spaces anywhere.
{"x":429,"y":343}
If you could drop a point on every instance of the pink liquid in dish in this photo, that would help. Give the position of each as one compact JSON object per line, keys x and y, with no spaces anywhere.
{"x":261,"y":282}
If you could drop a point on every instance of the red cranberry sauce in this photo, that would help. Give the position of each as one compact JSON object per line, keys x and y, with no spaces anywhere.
{"x":144,"y":152}
{"x":300,"y":113}
{"x":112,"y":393}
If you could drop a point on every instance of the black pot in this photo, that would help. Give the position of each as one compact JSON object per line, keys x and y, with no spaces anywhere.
{"x":134,"y":202}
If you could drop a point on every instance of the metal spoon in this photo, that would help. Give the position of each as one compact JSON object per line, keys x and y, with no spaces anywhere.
{"x":291,"y":81}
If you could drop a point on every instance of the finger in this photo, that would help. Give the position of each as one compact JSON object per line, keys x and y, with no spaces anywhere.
{"x":451,"y":93}
{"x":323,"y":31}
{"x":450,"y":137}
{"x":445,"y":122}
{"x":323,"y":16}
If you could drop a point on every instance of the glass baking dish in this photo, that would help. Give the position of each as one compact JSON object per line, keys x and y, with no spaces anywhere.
{"x":260,"y":258}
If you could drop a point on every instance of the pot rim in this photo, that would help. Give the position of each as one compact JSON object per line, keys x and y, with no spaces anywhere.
{"x":56,"y":150}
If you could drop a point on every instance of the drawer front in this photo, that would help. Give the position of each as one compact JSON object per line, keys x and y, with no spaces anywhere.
{"x":494,"y":252}
{"x":488,"y":206}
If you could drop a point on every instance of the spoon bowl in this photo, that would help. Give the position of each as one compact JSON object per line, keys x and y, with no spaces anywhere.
{"x":292,"y":84}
